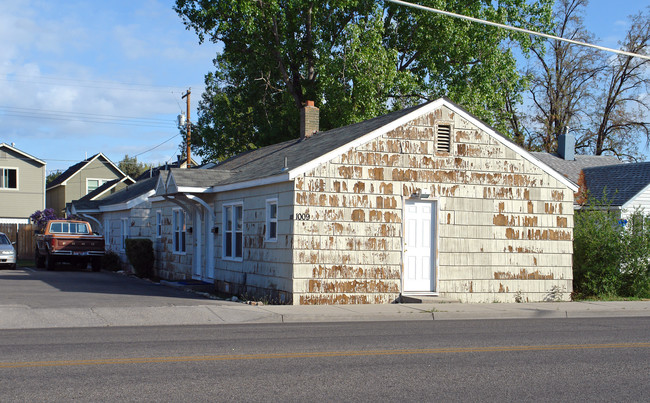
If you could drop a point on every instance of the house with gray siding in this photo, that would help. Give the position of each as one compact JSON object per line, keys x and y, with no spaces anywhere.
{"x":83,"y":178}
{"x":22,"y":185}
{"x":423,"y":202}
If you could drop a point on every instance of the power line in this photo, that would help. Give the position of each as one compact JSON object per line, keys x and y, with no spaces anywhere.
{"x":80,"y":114}
{"x":33,"y":113}
{"x":526,"y":31}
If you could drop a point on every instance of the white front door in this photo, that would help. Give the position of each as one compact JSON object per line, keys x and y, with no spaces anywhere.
{"x":419,"y":246}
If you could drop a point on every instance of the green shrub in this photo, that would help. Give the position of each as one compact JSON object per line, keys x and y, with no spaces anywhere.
{"x":139,"y":251}
{"x":111,"y":261}
{"x":611,"y":257}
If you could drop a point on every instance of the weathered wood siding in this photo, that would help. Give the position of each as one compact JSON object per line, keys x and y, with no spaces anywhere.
{"x":265,"y":271}
{"x":504,"y":225}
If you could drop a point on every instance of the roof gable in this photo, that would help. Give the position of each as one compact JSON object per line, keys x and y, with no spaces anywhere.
{"x":287,"y":160}
{"x":304,"y":155}
{"x":78,"y":167}
{"x":24,"y":154}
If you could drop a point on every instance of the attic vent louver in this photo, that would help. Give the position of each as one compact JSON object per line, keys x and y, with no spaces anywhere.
{"x":444,"y":138}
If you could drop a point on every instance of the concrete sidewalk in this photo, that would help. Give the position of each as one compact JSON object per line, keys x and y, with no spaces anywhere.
{"x":227,"y":312}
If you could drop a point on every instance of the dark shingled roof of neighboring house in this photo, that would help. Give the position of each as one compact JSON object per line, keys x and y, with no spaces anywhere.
{"x":572,"y":169}
{"x":618,"y":183}
{"x":69,"y":172}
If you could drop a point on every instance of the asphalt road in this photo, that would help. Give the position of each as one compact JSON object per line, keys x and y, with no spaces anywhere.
{"x":496,"y":360}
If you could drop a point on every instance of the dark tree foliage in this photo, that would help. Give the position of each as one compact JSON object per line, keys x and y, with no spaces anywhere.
{"x":356,"y":59}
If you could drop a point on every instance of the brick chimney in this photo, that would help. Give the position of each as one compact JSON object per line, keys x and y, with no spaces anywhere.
{"x":309,"y":120}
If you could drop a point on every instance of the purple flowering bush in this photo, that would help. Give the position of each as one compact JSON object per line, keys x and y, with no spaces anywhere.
{"x":41,"y":217}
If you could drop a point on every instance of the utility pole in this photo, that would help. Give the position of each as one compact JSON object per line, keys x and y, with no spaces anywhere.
{"x":188,"y":126}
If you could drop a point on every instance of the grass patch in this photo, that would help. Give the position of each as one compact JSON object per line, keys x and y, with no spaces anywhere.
{"x":25,"y":263}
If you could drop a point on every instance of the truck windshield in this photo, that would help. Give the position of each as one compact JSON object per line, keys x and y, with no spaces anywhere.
{"x":68,"y":228}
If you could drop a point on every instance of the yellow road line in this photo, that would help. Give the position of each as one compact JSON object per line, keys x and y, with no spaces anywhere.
{"x":148,"y":360}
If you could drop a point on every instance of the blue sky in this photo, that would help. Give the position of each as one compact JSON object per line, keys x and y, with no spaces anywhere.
{"x":82,"y":77}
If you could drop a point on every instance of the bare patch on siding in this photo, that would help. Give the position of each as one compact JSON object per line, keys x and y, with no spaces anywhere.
{"x":548,"y":234}
{"x":408,"y":175}
{"x":386,"y":188}
{"x":300,"y":181}
{"x":359,"y":187}
{"x":522,"y":275}
{"x":530,"y":207}
{"x":512,"y":234}
{"x":503,"y":289}
{"x":557,"y":195}
{"x":344,"y":299}
{"x":316,"y":185}
{"x":352,"y":286}
{"x":562,"y":222}
{"x":358,"y":215}
{"x":348,"y":172}
{"x":376,"y":173}
{"x":352,"y":272}
{"x":386,"y":202}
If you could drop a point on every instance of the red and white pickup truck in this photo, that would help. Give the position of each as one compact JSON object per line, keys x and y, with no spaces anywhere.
{"x":68,"y":241}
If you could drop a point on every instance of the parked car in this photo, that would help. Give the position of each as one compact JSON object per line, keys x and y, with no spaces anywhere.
{"x":7,"y":252}
{"x":68,"y":241}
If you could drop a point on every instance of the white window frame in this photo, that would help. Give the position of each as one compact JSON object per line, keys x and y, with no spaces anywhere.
{"x":179,"y":231}
{"x":100,"y":182}
{"x":158,"y":224}
{"x":2,"y":178}
{"x":233,"y":233}
{"x":124,"y":232}
{"x":268,"y":236}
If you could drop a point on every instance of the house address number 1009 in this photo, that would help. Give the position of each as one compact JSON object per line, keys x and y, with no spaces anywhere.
{"x":302,"y":216}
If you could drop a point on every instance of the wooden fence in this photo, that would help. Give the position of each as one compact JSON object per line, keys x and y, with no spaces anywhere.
{"x":23,"y":235}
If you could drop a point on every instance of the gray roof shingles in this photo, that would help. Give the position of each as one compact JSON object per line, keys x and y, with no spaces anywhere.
{"x":571,"y":169}
{"x":269,"y":161}
{"x":618,"y":183}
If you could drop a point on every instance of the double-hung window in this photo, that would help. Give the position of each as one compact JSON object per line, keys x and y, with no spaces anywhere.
{"x":8,"y":178}
{"x":178,"y":223}
{"x":233,"y":235}
{"x":92,"y":184}
{"x":271,"y":220}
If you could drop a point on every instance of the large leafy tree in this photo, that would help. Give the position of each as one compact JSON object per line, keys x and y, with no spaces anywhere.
{"x":355,"y":58}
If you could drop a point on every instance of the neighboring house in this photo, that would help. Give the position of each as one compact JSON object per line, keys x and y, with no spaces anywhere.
{"x":623,"y":187}
{"x":427,"y":201}
{"x":22,"y":185}
{"x":105,"y":190}
{"x":82,"y":178}
{"x":123,"y":215}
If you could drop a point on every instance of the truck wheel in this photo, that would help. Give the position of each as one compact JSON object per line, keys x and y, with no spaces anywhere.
{"x":39,"y":260}
{"x":96,"y":263}
{"x":50,"y":263}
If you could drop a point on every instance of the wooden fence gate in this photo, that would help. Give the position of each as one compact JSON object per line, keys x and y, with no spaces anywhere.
{"x":23,"y":235}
